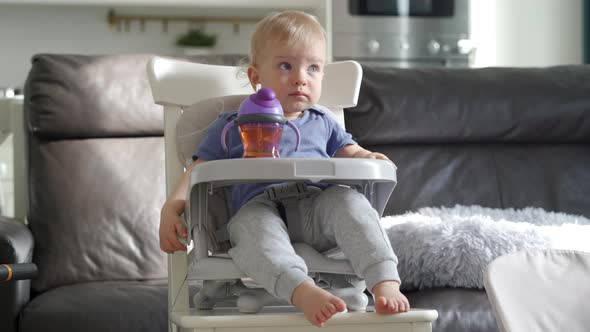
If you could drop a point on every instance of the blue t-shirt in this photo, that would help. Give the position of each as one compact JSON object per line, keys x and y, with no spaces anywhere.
{"x":321,"y":136}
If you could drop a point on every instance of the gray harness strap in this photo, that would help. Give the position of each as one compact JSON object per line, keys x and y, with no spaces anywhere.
{"x":222,"y":235}
{"x":287,"y":197}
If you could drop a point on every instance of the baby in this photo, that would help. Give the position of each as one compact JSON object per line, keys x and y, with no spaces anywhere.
{"x":288,"y":55}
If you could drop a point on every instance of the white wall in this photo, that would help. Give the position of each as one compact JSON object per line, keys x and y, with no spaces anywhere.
{"x":6,"y":177}
{"x":29,"y":29}
{"x":527,"y":32}
{"x":508,"y":33}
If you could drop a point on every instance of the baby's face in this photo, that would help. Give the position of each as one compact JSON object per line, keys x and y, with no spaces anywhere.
{"x":295,"y":74}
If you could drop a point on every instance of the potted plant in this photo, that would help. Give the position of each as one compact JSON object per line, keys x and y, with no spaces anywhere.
{"x":196,"y":42}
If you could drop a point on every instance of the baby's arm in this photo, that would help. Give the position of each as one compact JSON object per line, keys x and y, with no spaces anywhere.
{"x":171,"y":227}
{"x":357,"y":151}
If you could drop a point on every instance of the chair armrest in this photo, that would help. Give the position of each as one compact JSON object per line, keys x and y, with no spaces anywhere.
{"x":19,"y":271}
{"x":16,"y":242}
{"x":16,"y":246}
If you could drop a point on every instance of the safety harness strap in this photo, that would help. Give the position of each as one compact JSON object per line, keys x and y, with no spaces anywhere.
{"x":287,"y":197}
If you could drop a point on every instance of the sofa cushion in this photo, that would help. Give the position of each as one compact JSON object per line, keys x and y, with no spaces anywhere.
{"x":486,"y":105}
{"x":100,"y":307}
{"x":554,"y":177}
{"x":94,"y":208}
{"x":83,"y":96}
{"x":91,"y":96}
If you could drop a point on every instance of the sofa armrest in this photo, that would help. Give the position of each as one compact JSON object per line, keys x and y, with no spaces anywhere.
{"x":16,"y":246}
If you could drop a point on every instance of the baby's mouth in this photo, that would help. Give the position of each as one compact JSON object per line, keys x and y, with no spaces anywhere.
{"x":299,"y":94}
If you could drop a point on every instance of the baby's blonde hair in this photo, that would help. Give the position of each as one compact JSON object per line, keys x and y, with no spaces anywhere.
{"x":289,"y":26}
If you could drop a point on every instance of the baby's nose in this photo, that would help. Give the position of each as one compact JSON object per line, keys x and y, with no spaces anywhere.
{"x":299,"y":77}
{"x":300,"y":80}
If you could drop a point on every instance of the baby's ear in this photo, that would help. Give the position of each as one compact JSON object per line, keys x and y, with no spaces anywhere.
{"x":253,"y":77}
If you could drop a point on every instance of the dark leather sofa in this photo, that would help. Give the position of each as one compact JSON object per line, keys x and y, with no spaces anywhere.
{"x":496,"y":137}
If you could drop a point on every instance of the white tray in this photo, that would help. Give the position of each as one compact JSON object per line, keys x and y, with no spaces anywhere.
{"x":293,"y":169}
{"x":377,"y":178}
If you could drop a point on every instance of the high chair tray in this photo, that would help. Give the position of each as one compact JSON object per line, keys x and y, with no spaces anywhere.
{"x":288,"y":320}
{"x":228,"y":171}
{"x":375,"y":178}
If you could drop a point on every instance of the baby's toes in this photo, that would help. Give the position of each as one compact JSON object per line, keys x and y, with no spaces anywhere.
{"x":407,"y":304}
{"x":322,"y":317}
{"x":338,"y":304}
{"x":319,"y":320}
{"x":381,"y":305}
{"x":326,"y":314}
{"x":402,"y":307}
{"x":393,"y":306}
{"x":331,"y":309}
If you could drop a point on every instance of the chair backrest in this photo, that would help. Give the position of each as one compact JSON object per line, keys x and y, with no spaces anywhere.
{"x":178,"y":85}
{"x":543,"y":290}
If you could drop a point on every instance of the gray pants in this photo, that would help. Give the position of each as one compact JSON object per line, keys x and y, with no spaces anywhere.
{"x":336,"y":216}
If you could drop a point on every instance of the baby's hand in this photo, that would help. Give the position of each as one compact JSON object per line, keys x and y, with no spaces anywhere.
{"x":376,"y":155}
{"x":171,"y":230}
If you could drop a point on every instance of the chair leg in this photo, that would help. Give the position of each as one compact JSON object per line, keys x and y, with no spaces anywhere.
{"x":251,"y":302}
{"x":212,"y":292}
{"x":349,"y":288}
{"x":355,"y":300}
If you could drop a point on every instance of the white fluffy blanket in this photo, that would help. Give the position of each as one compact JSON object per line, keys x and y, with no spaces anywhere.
{"x":439,"y":247}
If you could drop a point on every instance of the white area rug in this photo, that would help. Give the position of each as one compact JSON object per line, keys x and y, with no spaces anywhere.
{"x":451,"y":247}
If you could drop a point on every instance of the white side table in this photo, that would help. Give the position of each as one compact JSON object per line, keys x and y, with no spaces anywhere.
{"x":12,"y":123}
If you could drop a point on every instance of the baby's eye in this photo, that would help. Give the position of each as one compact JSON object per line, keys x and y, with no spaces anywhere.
{"x":314,"y":68}
{"x":285,"y":66}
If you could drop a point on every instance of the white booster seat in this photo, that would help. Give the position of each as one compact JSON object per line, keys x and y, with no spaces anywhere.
{"x":193,"y":95}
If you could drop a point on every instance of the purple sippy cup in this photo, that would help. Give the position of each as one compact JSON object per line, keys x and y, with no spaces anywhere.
{"x":260,"y":121}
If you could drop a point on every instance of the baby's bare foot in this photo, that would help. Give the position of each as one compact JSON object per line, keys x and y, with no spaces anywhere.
{"x":389,"y":299}
{"x":317,"y":304}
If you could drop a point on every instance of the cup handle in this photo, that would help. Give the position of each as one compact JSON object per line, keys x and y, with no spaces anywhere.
{"x":296,"y":132}
{"x":224,"y":134}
